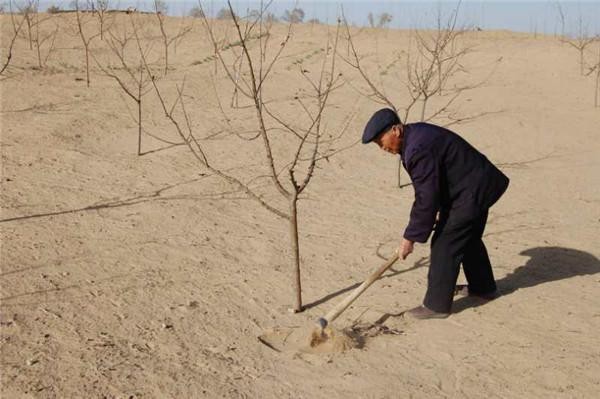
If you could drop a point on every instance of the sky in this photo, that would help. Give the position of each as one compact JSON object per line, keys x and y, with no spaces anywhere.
{"x":541,"y":16}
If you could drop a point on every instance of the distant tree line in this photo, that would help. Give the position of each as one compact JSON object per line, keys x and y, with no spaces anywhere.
{"x":382,"y":21}
{"x":295,"y":16}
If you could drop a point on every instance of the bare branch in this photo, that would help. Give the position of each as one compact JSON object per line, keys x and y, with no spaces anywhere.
{"x":16,"y":30}
{"x":258,"y":106}
{"x":193,"y":144}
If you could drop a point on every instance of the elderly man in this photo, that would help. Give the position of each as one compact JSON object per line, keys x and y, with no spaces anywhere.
{"x":455,"y":183}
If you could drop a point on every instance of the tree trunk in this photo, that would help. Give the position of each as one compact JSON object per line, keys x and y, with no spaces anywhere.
{"x":139,"y":103}
{"x":39,"y":54}
{"x":166,"y":58}
{"x":597,"y":66}
{"x":29,"y":32}
{"x":597,"y":87}
{"x":423,"y":109}
{"x":295,"y":250}
{"x":87,"y":65}
{"x":440,"y":77}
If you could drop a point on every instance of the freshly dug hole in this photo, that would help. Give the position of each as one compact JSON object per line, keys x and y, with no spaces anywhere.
{"x":297,"y":339}
{"x":328,"y":340}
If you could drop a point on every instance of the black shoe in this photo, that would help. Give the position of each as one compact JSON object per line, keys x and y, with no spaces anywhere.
{"x":422,"y":313}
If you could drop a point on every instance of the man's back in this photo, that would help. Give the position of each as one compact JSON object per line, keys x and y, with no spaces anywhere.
{"x":448,"y":173}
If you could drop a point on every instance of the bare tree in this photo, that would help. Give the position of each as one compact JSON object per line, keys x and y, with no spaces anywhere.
{"x":580,"y":42}
{"x":595,"y":69}
{"x":160,"y":6}
{"x":561,"y":15}
{"x":195,"y":12}
{"x":371,"y":20}
{"x":39,"y":38}
{"x":82,"y":20}
{"x":296,"y":16}
{"x":223,"y":13}
{"x":29,"y":10}
{"x":53,"y":9}
{"x":384,"y":20}
{"x":101,"y":9}
{"x":439,"y":56}
{"x":9,"y":52}
{"x":159,"y":12}
{"x":289,"y":175}
{"x":44,"y":40}
{"x":133,"y":77}
{"x":429,"y":68}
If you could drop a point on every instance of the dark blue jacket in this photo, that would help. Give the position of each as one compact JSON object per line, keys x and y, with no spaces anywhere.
{"x":449,"y":175}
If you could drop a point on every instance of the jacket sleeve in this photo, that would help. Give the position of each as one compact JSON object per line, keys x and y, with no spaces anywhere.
{"x":423,"y":170}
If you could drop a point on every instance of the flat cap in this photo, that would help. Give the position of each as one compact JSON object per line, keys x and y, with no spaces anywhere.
{"x":381,"y":121}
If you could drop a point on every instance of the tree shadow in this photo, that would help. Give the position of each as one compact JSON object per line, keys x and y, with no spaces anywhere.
{"x":545,"y":264}
{"x":159,"y":149}
{"x":60,"y":289}
{"x":116,"y":203}
{"x":420,"y":263}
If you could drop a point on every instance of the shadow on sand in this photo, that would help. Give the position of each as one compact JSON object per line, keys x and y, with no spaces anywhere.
{"x":545,"y":264}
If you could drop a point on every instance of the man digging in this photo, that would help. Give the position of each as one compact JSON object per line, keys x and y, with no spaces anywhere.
{"x":454,"y":183}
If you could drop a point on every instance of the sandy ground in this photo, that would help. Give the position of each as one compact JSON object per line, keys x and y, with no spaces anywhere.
{"x":132,"y":277}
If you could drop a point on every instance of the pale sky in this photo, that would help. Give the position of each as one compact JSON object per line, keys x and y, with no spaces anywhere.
{"x":524,"y":16}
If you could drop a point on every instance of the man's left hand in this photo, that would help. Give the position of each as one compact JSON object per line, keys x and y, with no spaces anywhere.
{"x":406,"y":248}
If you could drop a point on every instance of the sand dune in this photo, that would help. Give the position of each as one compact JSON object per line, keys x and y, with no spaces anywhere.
{"x":126,"y":276}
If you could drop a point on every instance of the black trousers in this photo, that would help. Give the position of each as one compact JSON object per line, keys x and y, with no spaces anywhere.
{"x":451,"y":245}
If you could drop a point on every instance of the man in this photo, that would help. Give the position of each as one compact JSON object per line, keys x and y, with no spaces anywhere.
{"x":455,"y":183}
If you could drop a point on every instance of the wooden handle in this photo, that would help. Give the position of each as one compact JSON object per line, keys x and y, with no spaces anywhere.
{"x":335,"y":312}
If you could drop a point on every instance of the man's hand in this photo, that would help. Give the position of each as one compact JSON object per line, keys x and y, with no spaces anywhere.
{"x":406,"y":248}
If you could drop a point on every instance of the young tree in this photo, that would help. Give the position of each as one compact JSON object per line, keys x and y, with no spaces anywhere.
{"x":439,"y":56}
{"x":133,"y":77}
{"x":86,"y":38}
{"x":384,"y":20}
{"x":160,"y":9}
{"x":29,"y":10}
{"x":580,"y":42}
{"x":561,"y":15}
{"x":429,"y":68}
{"x":101,"y":8}
{"x":371,"y":20}
{"x":223,"y":13}
{"x":595,"y":69}
{"x":290,"y":169}
{"x":296,"y":16}
{"x":195,"y":12}
{"x":53,"y":9}
{"x":270,"y":18}
{"x":160,"y":6}
{"x":36,"y":35}
{"x":9,"y":52}
{"x":42,"y":38}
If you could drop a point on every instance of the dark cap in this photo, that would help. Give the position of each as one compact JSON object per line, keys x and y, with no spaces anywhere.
{"x":381,"y":121}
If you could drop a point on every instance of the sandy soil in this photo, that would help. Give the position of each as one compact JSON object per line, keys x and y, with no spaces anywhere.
{"x":134,"y":277}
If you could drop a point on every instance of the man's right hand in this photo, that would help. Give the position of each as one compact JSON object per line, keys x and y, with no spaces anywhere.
{"x":406,"y":248}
